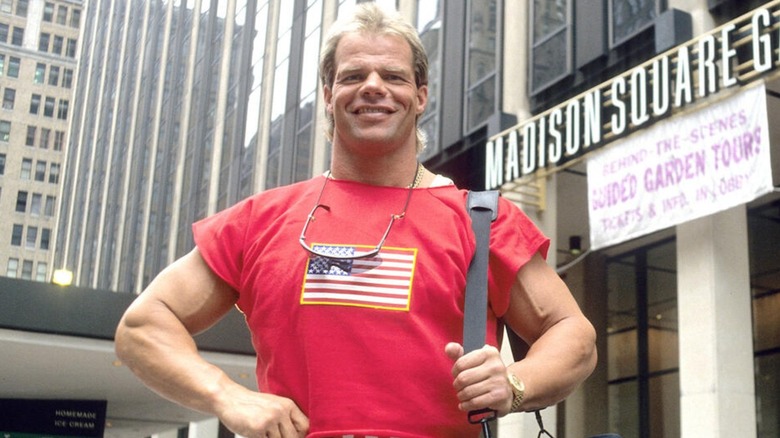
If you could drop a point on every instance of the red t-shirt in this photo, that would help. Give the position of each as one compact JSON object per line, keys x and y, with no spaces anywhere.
{"x":359,"y":345}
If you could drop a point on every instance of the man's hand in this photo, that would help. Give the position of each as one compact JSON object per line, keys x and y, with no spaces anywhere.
{"x":480,"y":379}
{"x":257,"y":415}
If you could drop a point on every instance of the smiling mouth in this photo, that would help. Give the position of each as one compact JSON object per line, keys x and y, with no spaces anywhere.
{"x":372,"y":111}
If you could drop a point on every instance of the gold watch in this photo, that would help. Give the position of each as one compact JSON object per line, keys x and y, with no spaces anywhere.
{"x":518,"y":391}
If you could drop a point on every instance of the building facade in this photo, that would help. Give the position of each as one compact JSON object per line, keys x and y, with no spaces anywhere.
{"x":184,"y":107}
{"x":38,"y":49}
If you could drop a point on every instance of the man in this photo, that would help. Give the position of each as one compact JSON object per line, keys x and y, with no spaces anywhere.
{"x":357,"y":324}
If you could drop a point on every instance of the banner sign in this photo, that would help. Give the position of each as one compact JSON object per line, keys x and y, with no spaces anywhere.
{"x":24,"y":418}
{"x":680,"y":169}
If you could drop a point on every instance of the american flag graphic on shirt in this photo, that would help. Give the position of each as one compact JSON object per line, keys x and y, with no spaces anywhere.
{"x":381,"y":282}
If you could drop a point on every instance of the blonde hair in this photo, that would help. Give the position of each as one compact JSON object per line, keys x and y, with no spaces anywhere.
{"x":369,"y":18}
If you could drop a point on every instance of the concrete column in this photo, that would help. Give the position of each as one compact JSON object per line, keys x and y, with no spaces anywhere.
{"x":716,"y":339}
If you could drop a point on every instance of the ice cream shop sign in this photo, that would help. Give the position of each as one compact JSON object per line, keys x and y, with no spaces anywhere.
{"x":731,"y":56}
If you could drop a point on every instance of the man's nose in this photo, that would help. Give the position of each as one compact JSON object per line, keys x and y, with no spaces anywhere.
{"x":374,"y":84}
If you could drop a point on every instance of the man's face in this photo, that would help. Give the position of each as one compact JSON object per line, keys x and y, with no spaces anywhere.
{"x":374,"y":100}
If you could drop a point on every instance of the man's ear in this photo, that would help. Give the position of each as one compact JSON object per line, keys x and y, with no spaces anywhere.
{"x":327,"y":95}
{"x":422,"y":99}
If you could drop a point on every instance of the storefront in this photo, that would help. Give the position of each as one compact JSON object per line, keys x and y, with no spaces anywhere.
{"x":663,"y":180}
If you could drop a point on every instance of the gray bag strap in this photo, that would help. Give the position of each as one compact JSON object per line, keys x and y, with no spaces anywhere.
{"x":483,"y":209}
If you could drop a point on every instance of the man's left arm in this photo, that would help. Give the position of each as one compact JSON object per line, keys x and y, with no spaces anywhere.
{"x":562,"y":351}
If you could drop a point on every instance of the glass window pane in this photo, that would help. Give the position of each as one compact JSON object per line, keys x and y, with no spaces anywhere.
{"x":550,"y":60}
{"x":624,"y":408}
{"x":631,"y":16}
{"x":45,"y":238}
{"x":12,"y":269}
{"x":40,"y":274}
{"x":32,"y":237}
{"x":16,"y":235}
{"x":481,"y":103}
{"x":5,"y":130}
{"x":40,"y":170}
{"x":27,"y":267}
{"x":21,"y":201}
{"x":18,"y":36}
{"x":40,"y":73}
{"x":551,"y":49}
{"x":31,"y":134}
{"x":663,"y":339}
{"x":35,"y":204}
{"x":13,"y":66}
{"x":665,"y":405}
{"x":549,"y":17}
{"x":621,"y":319}
{"x":48,"y":11}
{"x":768,"y":394}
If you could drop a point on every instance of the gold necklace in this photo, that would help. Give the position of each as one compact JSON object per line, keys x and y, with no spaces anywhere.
{"x":418,"y":176}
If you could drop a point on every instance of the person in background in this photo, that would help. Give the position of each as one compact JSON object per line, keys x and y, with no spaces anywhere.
{"x":352,"y":283}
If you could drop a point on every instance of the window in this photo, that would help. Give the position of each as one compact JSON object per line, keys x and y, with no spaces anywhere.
{"x":40,"y":171}
{"x":40,"y":73}
{"x":75,"y":18}
{"x":56,"y":46}
{"x":21,"y":201}
{"x":21,"y":7}
{"x":62,"y":14}
{"x":54,"y":173}
{"x":70,"y":51}
{"x":40,"y":275}
{"x":48,"y":208}
{"x":32,"y":237}
{"x":12,"y":270}
{"x":45,"y":135}
{"x":35,"y":204}
{"x":31,"y":134}
{"x":2,"y":164}
{"x":2,"y":65}
{"x":3,"y":33}
{"x":48,"y":107}
{"x":5,"y":130}
{"x":5,"y":6}
{"x":54,"y":75}
{"x":67,"y":77}
{"x":642,"y":343}
{"x":9,"y":97}
{"x":45,"y":238}
{"x":26,"y":169}
{"x":14,"y":64}
{"x":48,"y":11}
{"x":629,"y":17}
{"x":35,"y":104}
{"x":59,"y":140}
{"x":62,"y":110}
{"x":18,"y":36}
{"x":43,"y":42}
{"x":27,"y":267}
{"x":551,"y":50}
{"x":16,"y":235}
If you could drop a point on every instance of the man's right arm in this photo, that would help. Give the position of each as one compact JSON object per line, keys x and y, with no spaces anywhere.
{"x":154,"y":339}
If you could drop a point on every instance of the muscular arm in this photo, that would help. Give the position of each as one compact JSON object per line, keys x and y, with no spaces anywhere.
{"x":154,"y":339}
{"x":563,"y":342}
{"x":562,"y":354}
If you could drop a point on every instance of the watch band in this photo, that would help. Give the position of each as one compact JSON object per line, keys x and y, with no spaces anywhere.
{"x":518,"y":391}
